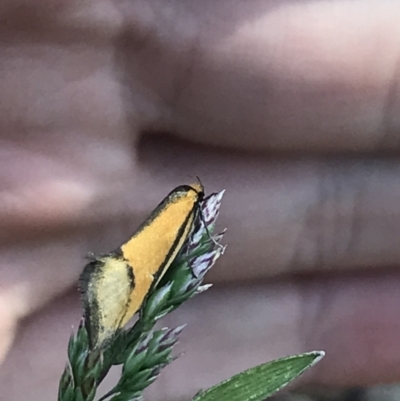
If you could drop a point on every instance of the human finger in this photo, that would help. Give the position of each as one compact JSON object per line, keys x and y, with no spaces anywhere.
{"x":284,"y":75}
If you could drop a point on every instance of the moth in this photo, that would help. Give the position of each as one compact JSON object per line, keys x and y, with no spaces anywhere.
{"x":114,"y":286}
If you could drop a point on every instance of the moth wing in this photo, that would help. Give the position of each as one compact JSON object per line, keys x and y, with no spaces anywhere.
{"x":106,"y":284}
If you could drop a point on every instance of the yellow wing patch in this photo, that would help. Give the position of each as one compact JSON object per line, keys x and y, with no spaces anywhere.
{"x":115,"y":286}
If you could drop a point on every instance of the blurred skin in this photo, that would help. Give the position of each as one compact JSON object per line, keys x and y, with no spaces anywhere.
{"x":291,"y":106}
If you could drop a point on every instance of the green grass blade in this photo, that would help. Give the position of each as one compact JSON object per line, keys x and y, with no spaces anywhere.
{"x":262,"y":381}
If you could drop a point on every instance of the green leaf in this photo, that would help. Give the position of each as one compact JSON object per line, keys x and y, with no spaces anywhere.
{"x":155,"y":303}
{"x":126,"y":396}
{"x":78,"y":395}
{"x":88,"y":388}
{"x":137,"y":356}
{"x":66,"y":389}
{"x":260,"y":382}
